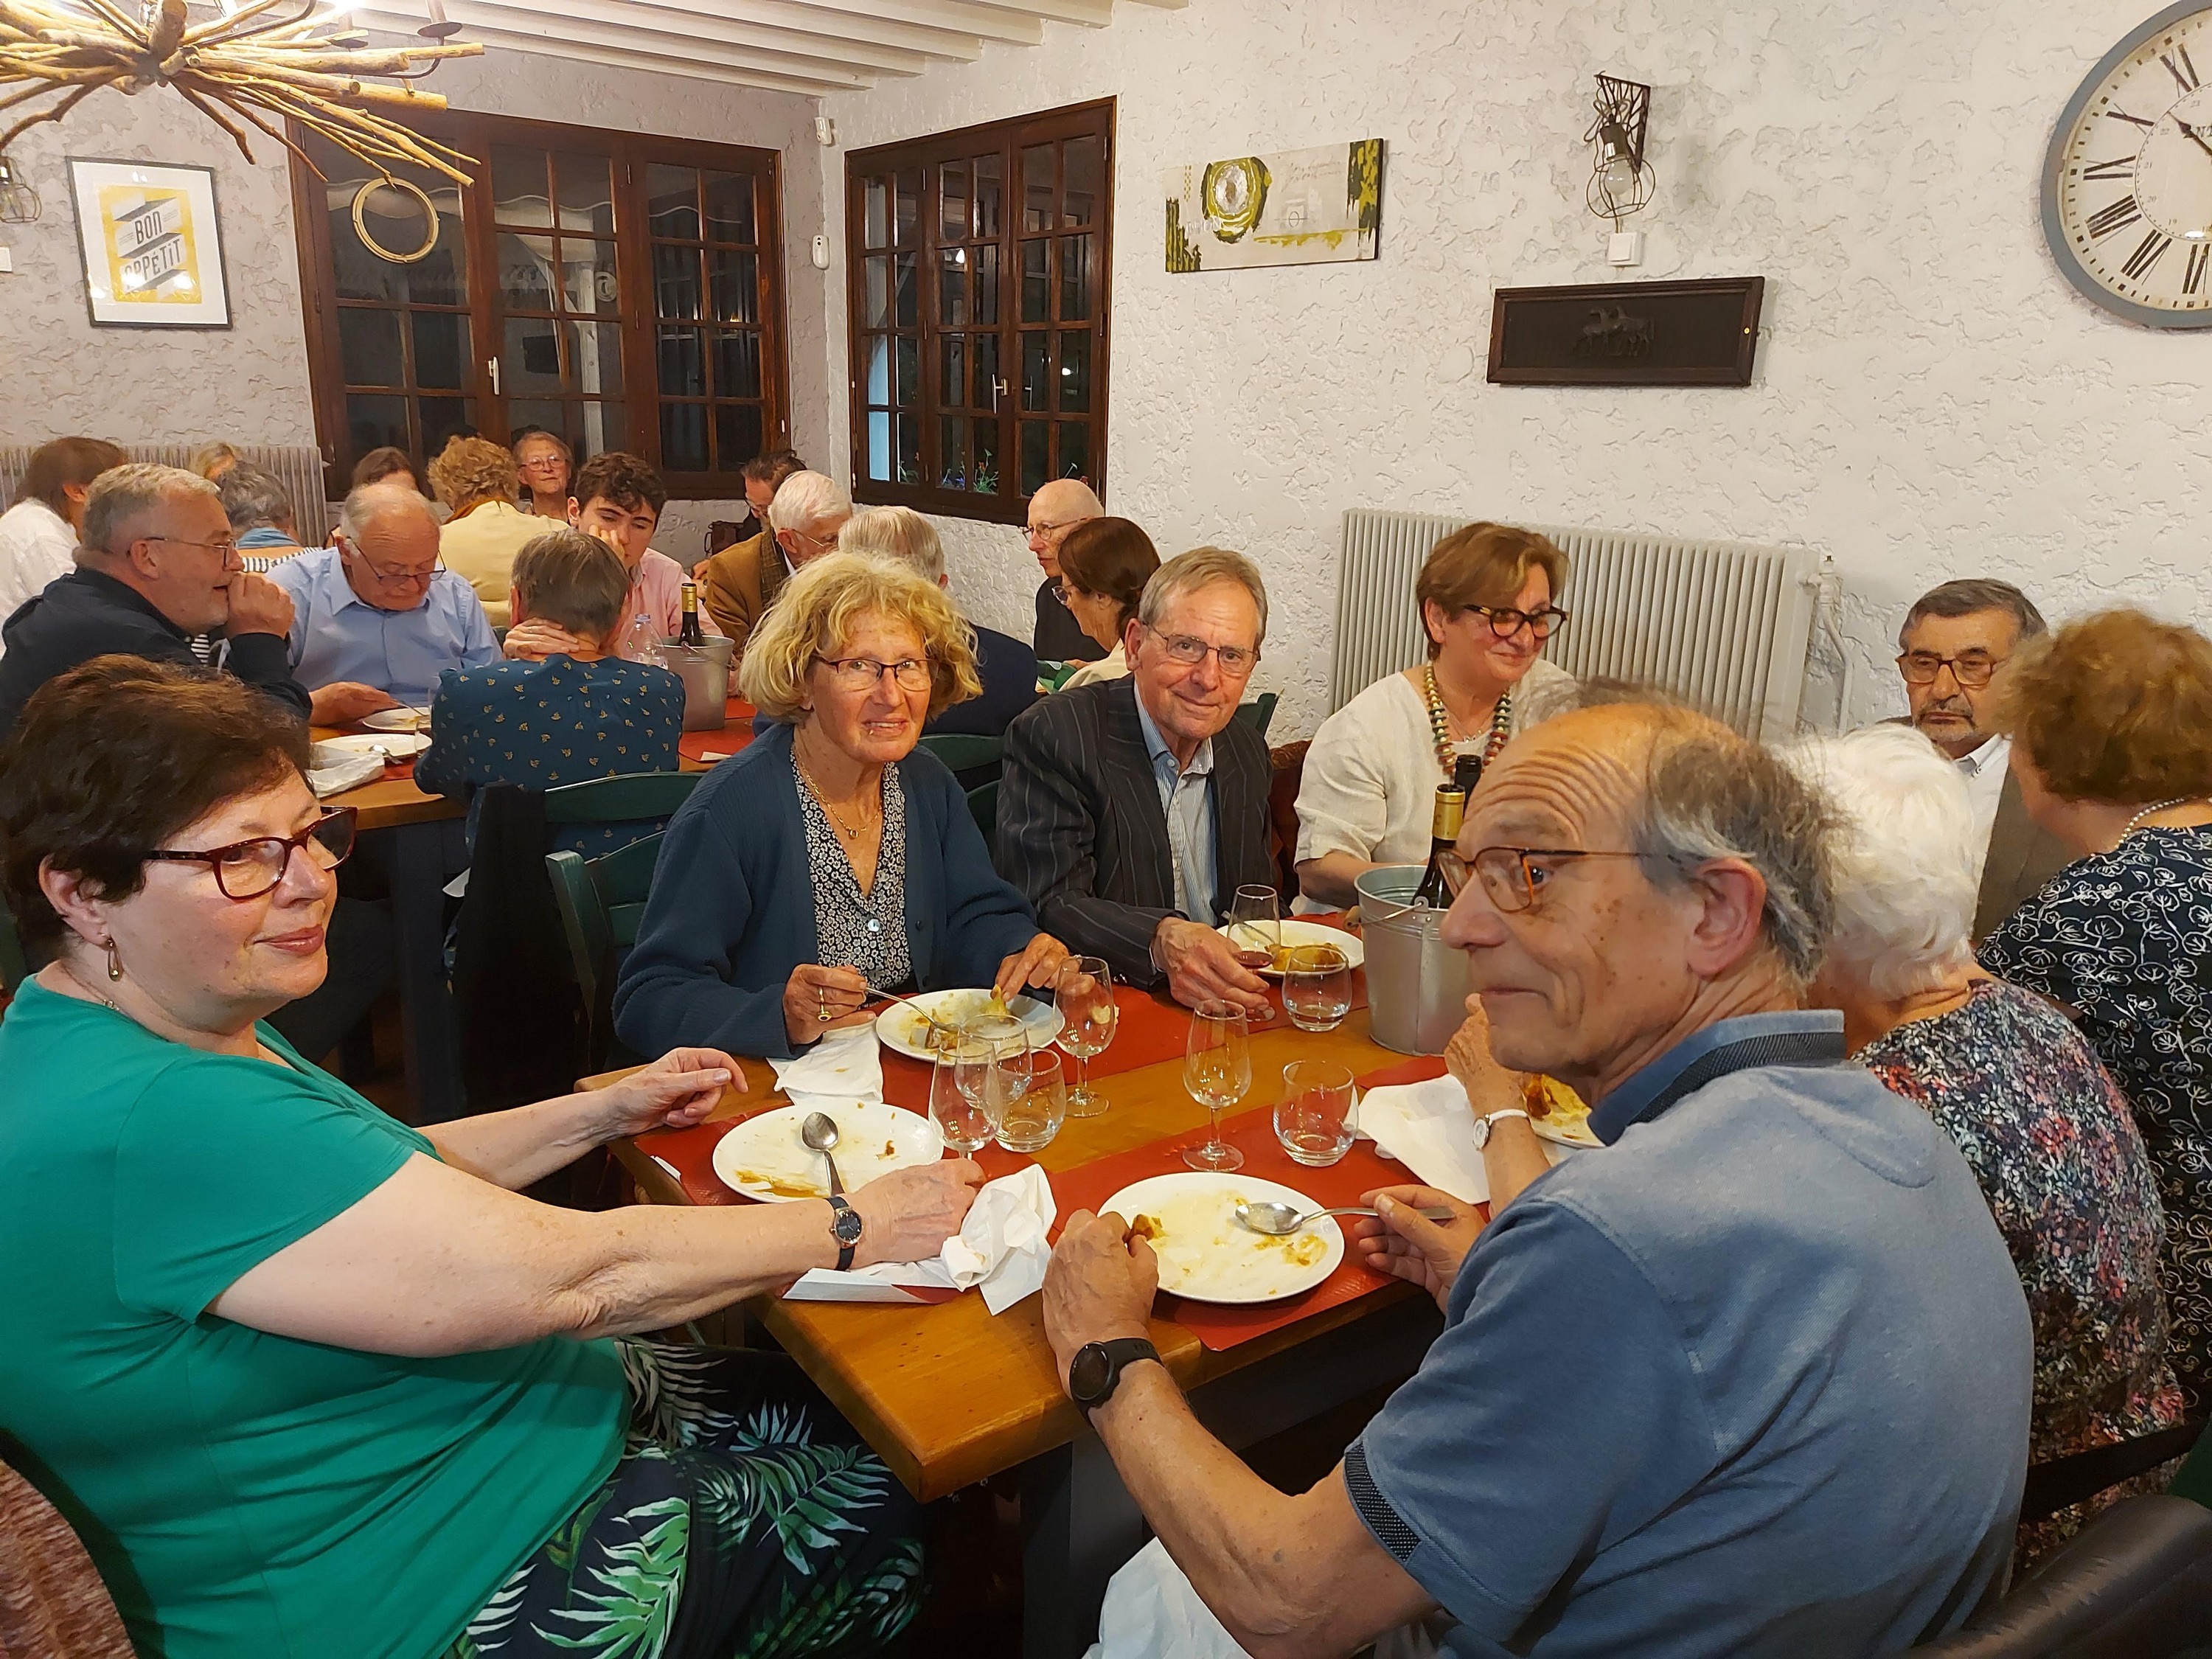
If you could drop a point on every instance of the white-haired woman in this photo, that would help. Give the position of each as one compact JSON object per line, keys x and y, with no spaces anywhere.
{"x":2049,"y":1134}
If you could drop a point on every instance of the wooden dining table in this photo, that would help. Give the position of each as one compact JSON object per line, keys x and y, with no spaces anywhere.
{"x":949,"y":1395}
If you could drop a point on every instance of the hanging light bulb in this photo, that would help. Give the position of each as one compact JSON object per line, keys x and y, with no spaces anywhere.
{"x":19,"y":203}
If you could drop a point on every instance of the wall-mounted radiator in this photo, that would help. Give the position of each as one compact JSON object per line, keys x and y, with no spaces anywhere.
{"x":1723,"y":625}
{"x":298,"y":467}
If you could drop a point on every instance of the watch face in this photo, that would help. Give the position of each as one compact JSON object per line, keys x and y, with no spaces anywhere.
{"x":846,"y":1224}
{"x":2127,"y":188}
{"x":1087,"y":1373}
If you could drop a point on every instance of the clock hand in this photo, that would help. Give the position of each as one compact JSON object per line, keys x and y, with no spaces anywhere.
{"x":2194,"y":134}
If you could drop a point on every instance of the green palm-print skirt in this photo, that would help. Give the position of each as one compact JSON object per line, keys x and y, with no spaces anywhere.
{"x":745,"y":1521}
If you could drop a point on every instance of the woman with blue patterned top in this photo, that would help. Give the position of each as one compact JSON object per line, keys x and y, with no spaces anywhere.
{"x":564,"y":710}
{"x":2110,"y":720}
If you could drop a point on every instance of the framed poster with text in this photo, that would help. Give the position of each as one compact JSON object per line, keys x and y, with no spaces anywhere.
{"x":151,"y":245}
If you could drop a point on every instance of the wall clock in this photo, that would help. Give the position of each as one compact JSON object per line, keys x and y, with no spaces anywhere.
{"x":2127,"y":184}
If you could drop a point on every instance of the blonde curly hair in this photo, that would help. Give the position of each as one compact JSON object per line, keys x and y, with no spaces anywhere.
{"x":472,"y":470}
{"x":822,"y":607}
{"x":2113,"y":707}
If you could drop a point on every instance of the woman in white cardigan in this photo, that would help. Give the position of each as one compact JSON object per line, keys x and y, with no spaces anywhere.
{"x":1104,"y":564}
{"x":1487,"y":597}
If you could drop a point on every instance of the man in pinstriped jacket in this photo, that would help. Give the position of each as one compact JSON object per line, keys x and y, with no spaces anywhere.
{"x":1132,"y":809}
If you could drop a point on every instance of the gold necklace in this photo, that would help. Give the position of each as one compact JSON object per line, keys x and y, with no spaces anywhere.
{"x":850,"y":832}
{"x":90,"y":990}
{"x":1441,"y":725}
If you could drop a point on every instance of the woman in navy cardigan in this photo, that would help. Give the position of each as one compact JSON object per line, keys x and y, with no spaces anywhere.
{"x":830,"y":862}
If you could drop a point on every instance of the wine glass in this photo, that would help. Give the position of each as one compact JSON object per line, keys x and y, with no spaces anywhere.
{"x":1084,"y":992}
{"x":981,"y":1047}
{"x":1036,"y":1100}
{"x":963,"y":1123}
{"x":1255,"y":929}
{"x":1216,"y":1069}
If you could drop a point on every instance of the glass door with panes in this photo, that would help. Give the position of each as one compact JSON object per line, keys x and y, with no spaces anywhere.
{"x":704,"y":226}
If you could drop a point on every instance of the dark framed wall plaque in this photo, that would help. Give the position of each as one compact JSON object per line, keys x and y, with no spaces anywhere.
{"x":1701,"y":333}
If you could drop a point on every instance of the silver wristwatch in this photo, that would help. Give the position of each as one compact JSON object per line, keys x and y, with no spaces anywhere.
{"x":1482,"y":1125}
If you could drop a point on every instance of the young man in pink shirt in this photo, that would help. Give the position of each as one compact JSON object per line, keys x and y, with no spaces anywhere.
{"x":618,"y":498}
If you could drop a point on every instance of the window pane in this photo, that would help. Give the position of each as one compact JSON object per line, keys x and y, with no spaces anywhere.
{"x":878,"y":378}
{"x":875,"y":215}
{"x":395,"y":219}
{"x":984,"y":434}
{"x":525,"y":266}
{"x":737,"y":368}
{"x":951,"y":453}
{"x":588,"y":198}
{"x":879,"y":445}
{"x":987,"y":369}
{"x":373,"y":421}
{"x":595,"y":357}
{"x":682,"y":363}
{"x":441,"y":417}
{"x":671,"y":200}
{"x":518,"y":187}
{"x":737,"y":435}
{"x":588,"y":282}
{"x":1036,"y":289}
{"x":729,"y":202}
{"x":1083,"y":198}
{"x":990,"y":195}
{"x":907,"y":429}
{"x":1075,"y":289}
{"x":877,"y":312}
{"x":1037,"y":188}
{"x":440,"y":277}
{"x":1033,"y":371}
{"x":553,"y":416}
{"x":1075,"y":369}
{"x":909,"y":303}
{"x":684,"y":437}
{"x":909,"y":372}
{"x":986,"y":293}
{"x":906,"y":226}
{"x":530,"y":363}
{"x":1034,"y":462}
{"x":441,"y":349}
{"x":602,"y":427}
{"x":952,"y":202}
{"x":1074,"y":449}
{"x":952,"y":287}
{"x":676,"y":283}
{"x":733,"y":286}
{"x":952,"y":371}
{"x":368,"y":341}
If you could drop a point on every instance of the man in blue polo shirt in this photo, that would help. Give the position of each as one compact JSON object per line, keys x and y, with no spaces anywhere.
{"x":1755,"y":1380}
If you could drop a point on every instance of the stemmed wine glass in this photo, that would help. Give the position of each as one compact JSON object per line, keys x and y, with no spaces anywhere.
{"x":987,"y":1053}
{"x":1083,"y":991}
{"x":1255,"y":929}
{"x":1216,"y":1069}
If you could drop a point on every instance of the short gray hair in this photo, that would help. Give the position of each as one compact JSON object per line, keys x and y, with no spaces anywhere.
{"x":1202,"y":567}
{"x":1906,"y":887}
{"x":806,"y":499}
{"x":364,"y":505}
{"x":123,"y":497}
{"x":254,"y":500}
{"x":1971,"y":594}
{"x":895,"y":533}
{"x":1712,"y":794}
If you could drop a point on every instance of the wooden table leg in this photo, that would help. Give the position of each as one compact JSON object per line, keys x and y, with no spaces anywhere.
{"x":417,"y":860}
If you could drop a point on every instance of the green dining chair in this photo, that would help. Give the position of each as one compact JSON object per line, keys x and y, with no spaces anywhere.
{"x":601,"y":903}
{"x":622,"y":798}
{"x":1259,"y":713}
{"x":983,"y":804}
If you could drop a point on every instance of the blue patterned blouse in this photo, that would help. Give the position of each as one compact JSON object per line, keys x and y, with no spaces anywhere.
{"x":542,"y":724}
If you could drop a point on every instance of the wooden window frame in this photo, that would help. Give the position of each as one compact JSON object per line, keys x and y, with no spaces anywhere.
{"x":627,"y":154}
{"x":927,"y":154}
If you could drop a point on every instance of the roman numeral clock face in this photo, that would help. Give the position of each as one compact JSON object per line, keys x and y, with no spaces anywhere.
{"x":2127,"y":187}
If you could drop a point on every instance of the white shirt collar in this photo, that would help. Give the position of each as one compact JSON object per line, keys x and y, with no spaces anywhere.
{"x":1994,"y":752}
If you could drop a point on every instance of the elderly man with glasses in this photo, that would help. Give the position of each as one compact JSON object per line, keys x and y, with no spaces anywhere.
{"x":156,"y":564}
{"x":377,"y":617}
{"x":1954,"y":640}
{"x":1754,"y":1379}
{"x":1056,"y":509}
{"x":1131,"y":810}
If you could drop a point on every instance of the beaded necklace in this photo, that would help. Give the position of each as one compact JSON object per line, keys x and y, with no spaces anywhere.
{"x":1440,"y":724}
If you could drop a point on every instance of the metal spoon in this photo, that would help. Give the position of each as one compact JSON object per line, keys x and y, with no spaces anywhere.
{"x":820,"y":1134}
{"x":1278,"y":1219}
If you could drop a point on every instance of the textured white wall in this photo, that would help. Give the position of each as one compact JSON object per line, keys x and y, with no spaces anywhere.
{"x":1931,"y":398}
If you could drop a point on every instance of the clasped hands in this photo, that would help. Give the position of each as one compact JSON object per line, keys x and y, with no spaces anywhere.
{"x":818,"y":999}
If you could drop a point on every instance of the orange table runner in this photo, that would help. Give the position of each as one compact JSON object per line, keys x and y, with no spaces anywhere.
{"x":720,"y":744}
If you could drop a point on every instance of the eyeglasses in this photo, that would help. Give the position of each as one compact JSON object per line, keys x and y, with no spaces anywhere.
{"x":1065,"y":592}
{"x":544,"y":463}
{"x":1972,"y":670}
{"x":1184,"y":649}
{"x":247,"y":869}
{"x":1505,"y":622}
{"x":1513,"y":878}
{"x":398,"y":575}
{"x":225,"y":549}
{"x":864,"y":673}
{"x":1035,"y":531}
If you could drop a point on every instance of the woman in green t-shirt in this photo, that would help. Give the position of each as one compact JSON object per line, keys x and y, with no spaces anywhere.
{"x":306,"y":1381}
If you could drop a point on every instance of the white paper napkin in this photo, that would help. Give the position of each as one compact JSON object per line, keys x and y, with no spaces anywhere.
{"x":1429,"y":1128}
{"x":350,"y":772}
{"x":1000,"y":1247}
{"x":845,"y":1065}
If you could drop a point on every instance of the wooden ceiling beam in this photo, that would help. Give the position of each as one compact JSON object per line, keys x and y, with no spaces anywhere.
{"x":701,"y":62}
{"x":703,"y":19}
{"x":962,"y":16}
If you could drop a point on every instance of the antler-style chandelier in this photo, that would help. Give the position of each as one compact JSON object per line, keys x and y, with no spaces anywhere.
{"x":243,"y":67}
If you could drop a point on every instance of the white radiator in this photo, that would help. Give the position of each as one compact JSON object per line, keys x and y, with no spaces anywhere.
{"x":1723,"y":625}
{"x":298,"y":467}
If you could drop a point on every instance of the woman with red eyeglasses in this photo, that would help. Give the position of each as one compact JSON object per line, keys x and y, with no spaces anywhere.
{"x":306,"y":1380}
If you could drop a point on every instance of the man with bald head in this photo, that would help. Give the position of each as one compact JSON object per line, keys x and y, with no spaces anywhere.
{"x":377,"y":617}
{"x":1754,"y":1380}
{"x":1057,"y":507}
{"x":157,"y":563}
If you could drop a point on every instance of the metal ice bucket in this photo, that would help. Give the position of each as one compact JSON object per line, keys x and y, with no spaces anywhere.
{"x":1417,"y":984}
{"x":705,"y":671}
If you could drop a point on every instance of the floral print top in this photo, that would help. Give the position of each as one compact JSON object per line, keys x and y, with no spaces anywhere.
{"x":866,"y":930}
{"x":2124,"y":939}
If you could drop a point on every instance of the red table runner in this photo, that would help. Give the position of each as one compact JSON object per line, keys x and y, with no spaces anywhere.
{"x":718,"y":745}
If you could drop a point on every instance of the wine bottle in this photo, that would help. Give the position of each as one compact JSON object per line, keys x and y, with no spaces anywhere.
{"x":1438,"y":888}
{"x":1466,"y":772}
{"x":690,"y":635}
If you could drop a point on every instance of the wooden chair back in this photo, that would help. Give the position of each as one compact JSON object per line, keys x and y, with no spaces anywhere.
{"x":53,"y":1603}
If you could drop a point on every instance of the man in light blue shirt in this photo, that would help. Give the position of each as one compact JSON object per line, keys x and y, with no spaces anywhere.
{"x":376,"y":618}
{"x":1187,"y":800}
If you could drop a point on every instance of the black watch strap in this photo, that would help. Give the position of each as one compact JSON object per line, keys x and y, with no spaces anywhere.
{"x":845,"y":1227}
{"x":1097,"y":1371}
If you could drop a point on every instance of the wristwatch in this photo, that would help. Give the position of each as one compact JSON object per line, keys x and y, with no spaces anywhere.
{"x":1482,"y":1125}
{"x":845,"y":1226}
{"x":1096,"y":1370}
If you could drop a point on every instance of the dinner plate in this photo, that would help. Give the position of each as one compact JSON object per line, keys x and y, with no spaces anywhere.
{"x":1207,"y":1254}
{"x":394,"y":746}
{"x":398,"y":719}
{"x":900,"y":1028}
{"x":1295,"y":932}
{"x":764,"y":1158}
